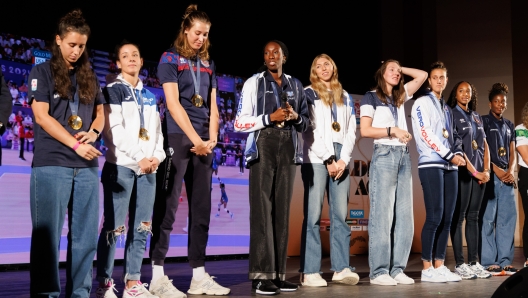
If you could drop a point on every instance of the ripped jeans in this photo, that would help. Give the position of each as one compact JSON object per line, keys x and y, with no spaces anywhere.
{"x":124,"y":193}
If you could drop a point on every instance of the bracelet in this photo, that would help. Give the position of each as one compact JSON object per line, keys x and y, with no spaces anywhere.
{"x":388,"y":131}
{"x":474,"y":173}
{"x":76,"y":146}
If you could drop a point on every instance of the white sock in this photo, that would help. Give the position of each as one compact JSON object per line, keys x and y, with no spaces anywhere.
{"x":157,"y":272}
{"x":199,"y":273}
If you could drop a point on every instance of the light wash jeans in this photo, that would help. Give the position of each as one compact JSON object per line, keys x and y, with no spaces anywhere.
{"x":316,"y":180}
{"x":53,"y":191}
{"x":391,"y":225}
{"x":498,"y":224}
{"x":124,"y":192}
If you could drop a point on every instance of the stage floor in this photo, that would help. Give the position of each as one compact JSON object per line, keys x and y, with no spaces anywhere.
{"x":233,"y":274}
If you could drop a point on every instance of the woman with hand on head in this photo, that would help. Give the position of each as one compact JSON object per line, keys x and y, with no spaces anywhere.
{"x":471,"y":181}
{"x":135,"y":149}
{"x":521,"y":138}
{"x":391,"y":214}
{"x":68,"y":107}
{"x":188,"y":77}
{"x":328,"y":145}
{"x":498,"y":212}
{"x":273,"y":109}
{"x":440,"y":149}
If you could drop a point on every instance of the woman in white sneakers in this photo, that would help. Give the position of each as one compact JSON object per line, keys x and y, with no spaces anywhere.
{"x":440,"y":150}
{"x":328,"y":145}
{"x":391,"y":225}
{"x":135,"y":149}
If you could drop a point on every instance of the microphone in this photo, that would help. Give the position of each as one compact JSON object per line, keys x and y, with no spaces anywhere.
{"x":284,"y":100}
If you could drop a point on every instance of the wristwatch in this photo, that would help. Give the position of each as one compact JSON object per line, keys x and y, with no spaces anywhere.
{"x":95,"y":131}
{"x":329,"y":160}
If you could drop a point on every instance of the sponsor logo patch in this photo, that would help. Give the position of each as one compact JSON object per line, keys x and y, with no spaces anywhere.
{"x":363,"y":222}
{"x":355,"y":228}
{"x":34,"y":85}
{"x":357,"y":213}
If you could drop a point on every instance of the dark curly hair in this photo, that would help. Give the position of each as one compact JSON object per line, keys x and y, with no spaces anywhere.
{"x":496,"y":89}
{"x":452,"y":101}
{"x":86,"y":80}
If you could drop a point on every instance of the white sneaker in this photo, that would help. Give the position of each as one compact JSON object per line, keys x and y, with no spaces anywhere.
{"x":346,"y":276}
{"x":207,"y":286}
{"x":138,"y":290}
{"x":480,"y":271}
{"x":465,"y":272}
{"x":383,"y":280}
{"x":431,"y":275}
{"x":164,"y":288}
{"x":106,"y":292}
{"x":403,"y":279}
{"x":449,"y":276}
{"x":313,"y":280}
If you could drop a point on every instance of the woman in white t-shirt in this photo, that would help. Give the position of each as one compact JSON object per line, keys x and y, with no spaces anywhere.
{"x":391,"y":213}
{"x":521,"y":138}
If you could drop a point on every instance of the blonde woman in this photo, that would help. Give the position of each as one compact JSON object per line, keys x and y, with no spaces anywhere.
{"x":328,"y":145}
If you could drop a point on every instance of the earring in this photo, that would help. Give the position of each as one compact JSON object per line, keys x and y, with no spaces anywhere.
{"x":264,"y":62}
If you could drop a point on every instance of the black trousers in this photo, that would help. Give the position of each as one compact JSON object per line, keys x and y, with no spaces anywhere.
{"x":21,"y":145}
{"x":197,"y":172}
{"x":469,"y":199}
{"x":271,"y":180}
{"x":523,"y":190}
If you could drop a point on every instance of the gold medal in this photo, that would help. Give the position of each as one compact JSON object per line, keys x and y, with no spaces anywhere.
{"x":280,"y":124}
{"x":474,"y":145}
{"x":75,"y":122}
{"x":445,"y":133}
{"x":502,"y":151}
{"x":197,"y":100}
{"x":335,"y":126}
{"x":143,"y":134}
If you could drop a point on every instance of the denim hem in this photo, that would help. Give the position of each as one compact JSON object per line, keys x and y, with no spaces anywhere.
{"x":371,"y":276}
{"x":396,"y":272}
{"x":128,"y":276}
{"x":343,"y":268}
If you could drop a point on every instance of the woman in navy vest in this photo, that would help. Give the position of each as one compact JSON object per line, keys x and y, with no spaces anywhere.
{"x":68,"y":106}
{"x":471,"y":180}
{"x":188,"y":77}
{"x":273,"y":109}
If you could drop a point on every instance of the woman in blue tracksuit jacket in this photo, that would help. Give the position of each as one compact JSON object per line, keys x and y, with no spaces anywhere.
{"x":440,"y":150}
{"x":272,"y":152}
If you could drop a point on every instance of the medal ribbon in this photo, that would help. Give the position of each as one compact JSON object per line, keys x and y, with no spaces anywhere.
{"x":441,"y":110}
{"x":139,"y":99}
{"x":195,"y":77}
{"x":501,"y":141}
{"x":74,"y":104}
{"x":334,"y":112}
{"x":394,"y":111}
{"x":276,"y":93}
{"x":473,"y":125}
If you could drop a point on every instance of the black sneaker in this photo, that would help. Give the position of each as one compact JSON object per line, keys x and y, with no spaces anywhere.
{"x":265,"y":287}
{"x":510,"y":270}
{"x":285,"y":286}
{"x":496,"y":270}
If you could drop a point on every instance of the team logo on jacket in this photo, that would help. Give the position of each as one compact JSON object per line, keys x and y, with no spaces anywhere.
{"x":34,"y":85}
{"x":182,"y":60}
{"x":205,"y":63}
{"x":290,"y":95}
{"x":477,"y":120}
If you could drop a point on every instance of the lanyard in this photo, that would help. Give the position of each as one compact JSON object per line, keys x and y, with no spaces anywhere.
{"x":334,"y":112}
{"x":74,"y":104}
{"x":473,"y":128}
{"x":394,"y":111}
{"x":501,"y":134}
{"x":139,"y":99}
{"x":276,"y":93}
{"x":441,"y":110}
{"x":195,"y":77}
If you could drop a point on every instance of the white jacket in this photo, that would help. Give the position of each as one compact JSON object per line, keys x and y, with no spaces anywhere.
{"x":318,"y":144}
{"x":122,"y":124}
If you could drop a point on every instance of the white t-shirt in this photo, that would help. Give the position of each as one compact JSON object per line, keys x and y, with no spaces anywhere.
{"x":382,"y":116}
{"x":521,"y":139}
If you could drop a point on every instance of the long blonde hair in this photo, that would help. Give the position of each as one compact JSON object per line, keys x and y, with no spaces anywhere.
{"x":181,"y":44}
{"x":524,"y":115}
{"x":320,"y":88}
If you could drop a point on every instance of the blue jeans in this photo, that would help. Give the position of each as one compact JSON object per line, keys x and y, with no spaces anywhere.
{"x":53,"y":190}
{"x":124,"y":192}
{"x":440,"y":195}
{"x":316,"y":180}
{"x":498,"y":223}
{"x":391,"y":225}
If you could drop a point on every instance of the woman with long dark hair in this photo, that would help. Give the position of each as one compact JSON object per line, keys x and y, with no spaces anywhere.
{"x":273,"y":109}
{"x":68,"y":107}
{"x":188,"y":77}
{"x":328,"y":145}
{"x":440,"y":149}
{"x":390,"y":224}
{"x":521,"y":138}
{"x":135,"y":149}
{"x":471,"y":180}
